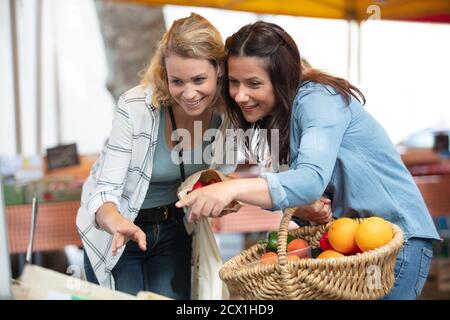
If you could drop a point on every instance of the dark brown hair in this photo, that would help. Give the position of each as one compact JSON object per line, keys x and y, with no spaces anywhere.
{"x":270,"y":42}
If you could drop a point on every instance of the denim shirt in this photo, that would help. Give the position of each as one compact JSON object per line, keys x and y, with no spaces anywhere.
{"x":342,"y":151}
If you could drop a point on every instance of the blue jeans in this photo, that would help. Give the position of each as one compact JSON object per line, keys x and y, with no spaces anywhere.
{"x":165,"y":268}
{"x":411,"y":269}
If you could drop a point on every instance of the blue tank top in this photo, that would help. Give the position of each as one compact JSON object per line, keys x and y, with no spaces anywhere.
{"x":166,"y":176}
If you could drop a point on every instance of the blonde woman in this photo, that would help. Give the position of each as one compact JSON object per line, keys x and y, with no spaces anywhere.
{"x":131,"y":189}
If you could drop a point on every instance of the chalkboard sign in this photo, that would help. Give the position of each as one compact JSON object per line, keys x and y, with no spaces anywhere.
{"x":62,"y":156}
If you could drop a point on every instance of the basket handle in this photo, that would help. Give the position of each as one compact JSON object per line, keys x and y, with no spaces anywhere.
{"x":282,"y":252}
{"x":282,"y":236}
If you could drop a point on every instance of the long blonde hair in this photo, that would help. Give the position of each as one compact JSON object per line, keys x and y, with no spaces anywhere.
{"x":190,"y":37}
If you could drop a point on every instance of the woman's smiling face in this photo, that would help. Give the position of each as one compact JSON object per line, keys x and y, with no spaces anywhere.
{"x":192,"y":83}
{"x":250,"y":86}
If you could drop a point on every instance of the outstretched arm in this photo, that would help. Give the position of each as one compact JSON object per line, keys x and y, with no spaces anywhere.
{"x":212,"y":199}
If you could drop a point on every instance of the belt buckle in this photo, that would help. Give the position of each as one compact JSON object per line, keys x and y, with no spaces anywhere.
{"x":166,"y":213}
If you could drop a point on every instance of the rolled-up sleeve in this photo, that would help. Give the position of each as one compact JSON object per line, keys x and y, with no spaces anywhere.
{"x":318,"y":124}
{"x":114,"y":167}
{"x":277,"y":193}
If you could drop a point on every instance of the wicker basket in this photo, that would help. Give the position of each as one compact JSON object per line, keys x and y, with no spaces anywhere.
{"x":368,"y":275}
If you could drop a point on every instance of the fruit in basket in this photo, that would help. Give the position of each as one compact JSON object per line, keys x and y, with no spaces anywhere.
{"x":341,"y":235}
{"x":298,"y":247}
{"x":292,"y":257}
{"x":325,"y":243}
{"x":269,"y":258}
{"x":373,"y":233}
{"x":330,"y":254}
{"x":272,"y":241}
{"x":358,"y":250}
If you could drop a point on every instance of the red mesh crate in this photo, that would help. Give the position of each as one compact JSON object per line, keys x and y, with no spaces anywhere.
{"x":55,"y":226}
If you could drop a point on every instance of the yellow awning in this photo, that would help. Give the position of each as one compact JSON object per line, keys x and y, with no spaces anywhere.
{"x":359,"y":10}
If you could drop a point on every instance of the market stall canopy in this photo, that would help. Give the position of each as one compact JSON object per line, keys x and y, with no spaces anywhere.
{"x":405,"y":10}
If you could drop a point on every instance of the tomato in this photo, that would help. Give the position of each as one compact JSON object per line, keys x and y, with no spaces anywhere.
{"x":269,"y":257}
{"x":324,"y":243}
{"x":272,"y":239}
{"x":197,"y":185}
{"x":293,"y":257}
{"x":298,"y":247}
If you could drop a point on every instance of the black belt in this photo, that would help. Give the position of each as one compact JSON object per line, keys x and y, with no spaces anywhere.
{"x":159,"y":214}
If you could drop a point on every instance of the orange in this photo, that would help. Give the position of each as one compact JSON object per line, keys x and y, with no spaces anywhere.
{"x":329,"y":254}
{"x":373,"y":233}
{"x":300,"y":247}
{"x":269,"y":257}
{"x":341,"y":235}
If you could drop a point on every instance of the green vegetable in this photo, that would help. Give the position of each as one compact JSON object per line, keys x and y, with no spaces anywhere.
{"x":315,"y":252}
{"x":272,"y":239}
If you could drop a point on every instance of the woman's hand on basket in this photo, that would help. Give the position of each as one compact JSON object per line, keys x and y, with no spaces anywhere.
{"x":208,"y":201}
{"x":318,"y":211}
